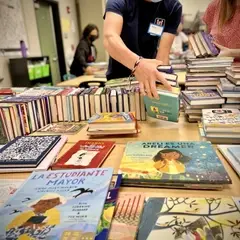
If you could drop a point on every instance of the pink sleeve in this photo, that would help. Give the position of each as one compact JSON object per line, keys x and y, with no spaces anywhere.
{"x":210,"y":14}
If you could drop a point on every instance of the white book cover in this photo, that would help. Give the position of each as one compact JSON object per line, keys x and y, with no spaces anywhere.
{"x":97,"y":99}
{"x":113,"y":98}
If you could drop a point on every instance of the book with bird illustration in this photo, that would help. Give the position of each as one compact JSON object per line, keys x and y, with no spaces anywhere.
{"x":190,"y":218}
{"x":57,"y":205}
{"x":173,"y":164}
{"x":85,"y":154}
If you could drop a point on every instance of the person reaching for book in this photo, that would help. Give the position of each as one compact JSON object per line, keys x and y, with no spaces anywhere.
{"x":222,"y":18}
{"x":132,"y":31}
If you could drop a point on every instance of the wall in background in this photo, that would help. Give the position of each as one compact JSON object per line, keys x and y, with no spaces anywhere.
{"x":34,"y":49}
{"x":92,"y":11}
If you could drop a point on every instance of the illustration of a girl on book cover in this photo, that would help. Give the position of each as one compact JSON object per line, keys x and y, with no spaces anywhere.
{"x":44,"y":215}
{"x":170,"y":161}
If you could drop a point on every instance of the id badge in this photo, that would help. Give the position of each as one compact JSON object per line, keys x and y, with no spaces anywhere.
{"x":155,"y":30}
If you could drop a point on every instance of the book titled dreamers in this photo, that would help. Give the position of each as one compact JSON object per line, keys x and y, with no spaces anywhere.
{"x":56,"y":205}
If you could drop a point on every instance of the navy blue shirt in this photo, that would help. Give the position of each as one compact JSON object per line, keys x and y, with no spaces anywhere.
{"x":137,"y":16}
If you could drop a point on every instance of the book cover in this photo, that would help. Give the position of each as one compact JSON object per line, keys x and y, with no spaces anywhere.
{"x":201,"y":94}
{"x":190,"y":218}
{"x":120,"y":82}
{"x":166,"y":108}
{"x":127,"y":216}
{"x":57,"y":205}
{"x":109,"y":207}
{"x":85,"y":154}
{"x":235,"y":163}
{"x":235,"y":151}
{"x":172,"y":163}
{"x":8,"y":187}
{"x":115,"y":117}
{"x":26,"y":151}
{"x":209,"y":40}
{"x":64,"y":128}
{"x":221,"y":117}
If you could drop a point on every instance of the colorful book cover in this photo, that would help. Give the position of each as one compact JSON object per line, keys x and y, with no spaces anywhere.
{"x":235,"y":151}
{"x":172,"y":163}
{"x":57,"y":205}
{"x":190,"y":218}
{"x":166,"y":108}
{"x":26,"y":151}
{"x":85,"y":154}
{"x":209,"y":40}
{"x":221,"y":117}
{"x":8,"y":187}
{"x":109,"y":207}
{"x":201,"y":94}
{"x":120,"y":117}
{"x":64,"y":128}
{"x":127,"y":216}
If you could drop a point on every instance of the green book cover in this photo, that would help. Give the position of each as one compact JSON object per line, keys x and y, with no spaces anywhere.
{"x":164,"y":108}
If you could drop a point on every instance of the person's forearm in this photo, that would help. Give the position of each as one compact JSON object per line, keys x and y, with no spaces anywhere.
{"x":235,"y":53}
{"x":164,"y":57}
{"x":119,"y":51}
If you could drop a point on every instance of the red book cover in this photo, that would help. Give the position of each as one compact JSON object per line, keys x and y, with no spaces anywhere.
{"x":85,"y":154}
{"x":6,"y":91}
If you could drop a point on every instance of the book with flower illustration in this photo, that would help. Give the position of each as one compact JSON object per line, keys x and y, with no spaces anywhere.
{"x":127,"y":216}
{"x":190,"y":218}
{"x":173,"y":164}
{"x":109,"y":207}
{"x":85,"y":154}
{"x":65,"y":204}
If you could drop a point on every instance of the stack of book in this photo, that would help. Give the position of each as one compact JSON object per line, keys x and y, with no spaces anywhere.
{"x":195,"y":101}
{"x":206,"y":73}
{"x":202,"y":45}
{"x":30,"y":153}
{"x":221,"y":125}
{"x":232,"y":155}
{"x":112,"y":123}
{"x":230,"y":87}
{"x":173,"y":164}
{"x":35,"y":108}
{"x":178,"y":65}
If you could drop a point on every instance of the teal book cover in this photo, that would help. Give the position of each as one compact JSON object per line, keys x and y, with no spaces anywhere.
{"x":172,"y":162}
{"x":65,"y":204}
{"x":175,"y":218}
{"x":109,"y":208}
{"x":164,"y":108}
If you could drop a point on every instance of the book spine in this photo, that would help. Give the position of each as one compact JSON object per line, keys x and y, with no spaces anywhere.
{"x":212,"y":47}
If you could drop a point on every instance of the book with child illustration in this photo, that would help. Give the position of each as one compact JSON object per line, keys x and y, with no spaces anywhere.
{"x":57,"y":205}
{"x":173,"y":164}
{"x":190,"y":218}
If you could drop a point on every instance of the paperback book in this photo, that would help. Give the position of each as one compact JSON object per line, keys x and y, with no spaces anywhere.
{"x":173,"y":164}
{"x":85,"y":154}
{"x":190,"y":218}
{"x":62,"y":128}
{"x":57,"y":205}
{"x":127,"y":216}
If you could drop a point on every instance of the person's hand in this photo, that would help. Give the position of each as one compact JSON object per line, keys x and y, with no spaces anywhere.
{"x":147,"y":74}
{"x":89,"y":70}
{"x":224,"y":51}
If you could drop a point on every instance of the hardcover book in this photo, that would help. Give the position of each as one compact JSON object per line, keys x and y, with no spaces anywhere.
{"x":190,"y":218}
{"x":127,"y":216}
{"x":221,"y":118}
{"x":234,"y":162}
{"x":166,"y":108}
{"x":109,"y":207}
{"x":26,"y":151}
{"x":57,"y":205}
{"x":85,"y":154}
{"x":173,"y":164}
{"x":61,"y":128}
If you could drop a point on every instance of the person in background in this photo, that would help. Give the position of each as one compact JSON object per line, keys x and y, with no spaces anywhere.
{"x":222,"y":18}
{"x":86,"y":52}
{"x":132,"y":30}
{"x":179,"y":41}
